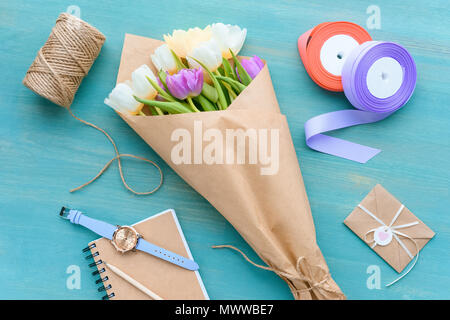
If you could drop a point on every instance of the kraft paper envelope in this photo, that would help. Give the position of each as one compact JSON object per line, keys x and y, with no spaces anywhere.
{"x":384,"y":206}
{"x":271,"y":212}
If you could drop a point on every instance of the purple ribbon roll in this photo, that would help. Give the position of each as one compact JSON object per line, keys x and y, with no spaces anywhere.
{"x":378,"y":79}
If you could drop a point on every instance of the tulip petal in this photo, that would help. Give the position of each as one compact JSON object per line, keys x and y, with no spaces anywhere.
{"x":141,"y":87}
{"x":182,"y":42}
{"x":253,"y":66}
{"x":121,"y":99}
{"x":163,"y":59}
{"x":229,"y":38}
{"x":208,"y":53}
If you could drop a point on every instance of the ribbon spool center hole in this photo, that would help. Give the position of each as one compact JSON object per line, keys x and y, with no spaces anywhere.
{"x":384,"y":76}
{"x":340,"y":55}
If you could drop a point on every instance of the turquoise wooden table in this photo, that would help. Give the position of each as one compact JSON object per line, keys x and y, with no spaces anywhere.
{"x":44,"y":152}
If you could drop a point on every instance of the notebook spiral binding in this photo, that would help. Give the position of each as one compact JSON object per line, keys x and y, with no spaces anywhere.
{"x":101,"y":280}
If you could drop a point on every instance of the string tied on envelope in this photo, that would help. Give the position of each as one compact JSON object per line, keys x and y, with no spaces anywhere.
{"x":304,"y":273}
{"x":59,"y":68}
{"x":392,"y":230}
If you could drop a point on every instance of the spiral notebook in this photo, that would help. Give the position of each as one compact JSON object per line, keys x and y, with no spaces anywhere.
{"x":165,"y":279}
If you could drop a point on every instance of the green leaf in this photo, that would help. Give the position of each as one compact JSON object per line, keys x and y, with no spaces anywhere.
{"x":163,"y":93}
{"x":162,"y":77}
{"x":205,"y":103}
{"x":159,"y":111}
{"x":236,"y":85}
{"x":210,"y":92}
{"x":180,"y":64}
{"x":243,"y":75}
{"x":153,"y":110}
{"x":226,"y":93}
{"x":229,"y":72}
{"x":222,"y":101}
{"x":192,"y":104}
{"x":170,"y":107}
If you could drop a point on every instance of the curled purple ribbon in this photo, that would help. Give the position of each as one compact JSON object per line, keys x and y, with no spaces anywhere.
{"x":371,"y":108}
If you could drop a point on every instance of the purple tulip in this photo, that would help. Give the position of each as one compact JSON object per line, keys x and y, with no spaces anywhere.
{"x":253,"y":66}
{"x":186,"y":83}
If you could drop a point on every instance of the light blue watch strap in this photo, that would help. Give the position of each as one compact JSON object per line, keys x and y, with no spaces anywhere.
{"x":107,"y":230}
{"x":166,"y":255}
{"x":101,"y":228}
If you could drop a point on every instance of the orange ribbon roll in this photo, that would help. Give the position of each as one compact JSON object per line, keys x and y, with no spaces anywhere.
{"x":324,"y":49}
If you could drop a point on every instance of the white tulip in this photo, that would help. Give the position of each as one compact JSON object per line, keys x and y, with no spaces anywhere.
{"x":121,"y":99}
{"x":228,"y":37}
{"x":163,"y":59}
{"x":140,"y":84}
{"x":207,"y":53}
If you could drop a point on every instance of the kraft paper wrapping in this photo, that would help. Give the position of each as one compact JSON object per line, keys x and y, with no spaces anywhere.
{"x":271,"y":212}
{"x":384,"y":206}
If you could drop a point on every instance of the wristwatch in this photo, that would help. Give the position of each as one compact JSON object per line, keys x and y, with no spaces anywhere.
{"x":126,"y":238}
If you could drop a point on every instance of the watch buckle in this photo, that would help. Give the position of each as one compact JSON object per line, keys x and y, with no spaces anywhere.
{"x":64,"y":213}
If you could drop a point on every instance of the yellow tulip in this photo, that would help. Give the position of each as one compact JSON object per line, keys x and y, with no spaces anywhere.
{"x":182,"y":42}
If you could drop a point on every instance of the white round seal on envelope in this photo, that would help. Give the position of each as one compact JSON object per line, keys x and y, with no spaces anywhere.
{"x":382,"y":236}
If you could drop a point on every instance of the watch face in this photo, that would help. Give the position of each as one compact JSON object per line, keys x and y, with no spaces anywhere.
{"x":125,"y":238}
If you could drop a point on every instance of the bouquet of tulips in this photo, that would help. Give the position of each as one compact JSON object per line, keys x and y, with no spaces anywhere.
{"x":197,"y":70}
{"x":240,"y":156}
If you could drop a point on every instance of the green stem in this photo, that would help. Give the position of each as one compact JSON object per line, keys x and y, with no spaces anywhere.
{"x":239,"y":87}
{"x":191,"y":103}
{"x":205,"y":103}
{"x":227,"y":86}
{"x":210,"y":92}
{"x":163,"y":93}
{"x":221,"y":101}
{"x":243,"y":75}
{"x":170,"y":107}
{"x":229,"y":71}
{"x":180,"y":64}
{"x":230,"y":91}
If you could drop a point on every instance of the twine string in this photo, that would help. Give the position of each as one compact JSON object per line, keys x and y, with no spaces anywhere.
{"x":57,"y":72}
{"x":291,"y":277}
{"x":119,"y":162}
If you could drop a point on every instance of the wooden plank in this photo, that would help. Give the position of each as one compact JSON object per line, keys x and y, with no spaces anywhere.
{"x":44,"y":152}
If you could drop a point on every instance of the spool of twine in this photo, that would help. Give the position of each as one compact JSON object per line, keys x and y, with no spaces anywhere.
{"x":60,"y":66}
{"x":64,"y":60}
